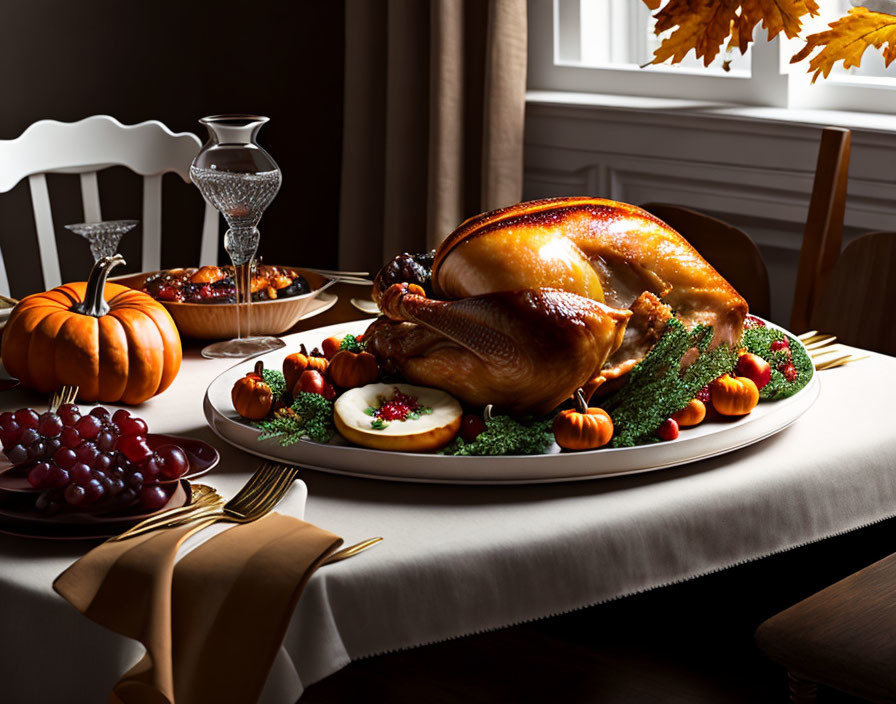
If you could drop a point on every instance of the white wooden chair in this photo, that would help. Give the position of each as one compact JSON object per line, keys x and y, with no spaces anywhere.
{"x":85,"y":147}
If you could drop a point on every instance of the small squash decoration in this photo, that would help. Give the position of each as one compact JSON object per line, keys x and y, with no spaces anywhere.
{"x":582,"y":428}
{"x":734,"y":395}
{"x":692,"y":414}
{"x":116,"y":344}
{"x":352,"y":369}
{"x":297,"y":362}
{"x":252,"y":397}
{"x":331,"y":346}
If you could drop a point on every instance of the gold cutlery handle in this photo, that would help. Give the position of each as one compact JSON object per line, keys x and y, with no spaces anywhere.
{"x":350,"y":551}
{"x":170,"y":519}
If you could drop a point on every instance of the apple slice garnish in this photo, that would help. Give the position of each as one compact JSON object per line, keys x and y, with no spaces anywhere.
{"x":369,"y":416}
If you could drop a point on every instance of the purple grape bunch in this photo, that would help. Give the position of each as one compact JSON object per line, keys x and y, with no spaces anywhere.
{"x":99,"y":460}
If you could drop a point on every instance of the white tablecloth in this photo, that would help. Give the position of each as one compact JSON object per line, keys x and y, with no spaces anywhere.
{"x":458,"y":560}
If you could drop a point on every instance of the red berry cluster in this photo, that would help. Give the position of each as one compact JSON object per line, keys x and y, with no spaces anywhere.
{"x":786,"y":367}
{"x":704,"y":395}
{"x":751,"y":321}
{"x":399,"y":407}
{"x":100,"y":459}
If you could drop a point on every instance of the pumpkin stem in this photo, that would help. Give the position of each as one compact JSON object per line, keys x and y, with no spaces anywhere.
{"x":259,"y":367}
{"x":303,"y":349}
{"x":581,"y":404}
{"x":94,"y":303}
{"x":487,"y":413}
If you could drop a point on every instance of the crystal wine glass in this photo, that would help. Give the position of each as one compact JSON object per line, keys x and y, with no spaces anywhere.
{"x":103,"y":236}
{"x":240,"y":179}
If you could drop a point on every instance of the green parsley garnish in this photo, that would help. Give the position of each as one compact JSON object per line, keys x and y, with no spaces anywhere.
{"x":274,"y":379}
{"x":311,"y":416}
{"x":758,"y":340}
{"x":505,"y":436}
{"x":658,"y":386}
{"x":350,"y":343}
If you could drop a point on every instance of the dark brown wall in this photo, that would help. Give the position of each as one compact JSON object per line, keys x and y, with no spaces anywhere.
{"x":175,"y":62}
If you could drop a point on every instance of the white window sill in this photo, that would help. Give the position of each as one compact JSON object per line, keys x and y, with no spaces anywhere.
{"x":857,"y":121}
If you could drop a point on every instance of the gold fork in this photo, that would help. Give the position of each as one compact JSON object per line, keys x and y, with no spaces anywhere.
{"x":67,"y":394}
{"x":824,"y":352}
{"x":350,"y":551}
{"x":201,"y":497}
{"x":262,"y":492}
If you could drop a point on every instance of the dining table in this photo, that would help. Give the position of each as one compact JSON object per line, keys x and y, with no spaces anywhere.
{"x":462,"y":559}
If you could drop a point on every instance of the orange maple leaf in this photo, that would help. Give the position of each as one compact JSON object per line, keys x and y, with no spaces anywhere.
{"x":701,"y":25}
{"x":704,"y":25}
{"x":847,"y":39}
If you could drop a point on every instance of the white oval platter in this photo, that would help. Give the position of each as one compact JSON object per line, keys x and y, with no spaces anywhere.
{"x":705,"y":440}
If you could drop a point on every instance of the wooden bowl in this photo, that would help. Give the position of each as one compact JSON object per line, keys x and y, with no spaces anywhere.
{"x":217,"y":321}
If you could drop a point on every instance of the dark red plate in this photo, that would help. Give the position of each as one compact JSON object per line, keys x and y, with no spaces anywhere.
{"x":81,"y":526}
{"x":202,"y":457}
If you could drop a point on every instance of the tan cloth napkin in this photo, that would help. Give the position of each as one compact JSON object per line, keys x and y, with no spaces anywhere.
{"x":211,"y":624}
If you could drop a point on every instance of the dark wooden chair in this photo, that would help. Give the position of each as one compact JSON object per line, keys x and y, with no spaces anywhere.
{"x":824,"y":225}
{"x":730,"y":250}
{"x":841,"y":637}
{"x":855,"y":302}
{"x":736,"y":256}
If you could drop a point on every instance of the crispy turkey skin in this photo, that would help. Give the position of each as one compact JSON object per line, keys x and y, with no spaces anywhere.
{"x":509,"y":324}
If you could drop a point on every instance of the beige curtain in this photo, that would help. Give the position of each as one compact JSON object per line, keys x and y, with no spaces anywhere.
{"x":434,"y":109}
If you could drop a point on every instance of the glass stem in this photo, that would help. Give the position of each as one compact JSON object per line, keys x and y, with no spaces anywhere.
{"x":243,"y":275}
{"x":241,"y":244}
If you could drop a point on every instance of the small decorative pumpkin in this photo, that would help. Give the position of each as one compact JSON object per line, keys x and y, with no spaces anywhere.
{"x":331,"y":345}
{"x":734,"y":395}
{"x":692,"y":414}
{"x":582,"y":428}
{"x":116,"y":344}
{"x":297,"y":362}
{"x":252,"y":397}
{"x":351,"y":369}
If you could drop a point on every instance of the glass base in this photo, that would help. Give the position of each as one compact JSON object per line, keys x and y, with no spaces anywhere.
{"x":245,"y":347}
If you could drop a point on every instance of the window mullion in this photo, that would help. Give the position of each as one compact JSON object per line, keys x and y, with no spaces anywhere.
{"x":766,"y":71}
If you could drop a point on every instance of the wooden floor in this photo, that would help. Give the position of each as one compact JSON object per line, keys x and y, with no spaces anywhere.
{"x":685,"y":644}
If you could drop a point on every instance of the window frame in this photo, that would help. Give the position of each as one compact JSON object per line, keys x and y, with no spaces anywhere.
{"x":554,"y":64}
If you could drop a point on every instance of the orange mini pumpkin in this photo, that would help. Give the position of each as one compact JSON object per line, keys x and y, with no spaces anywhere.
{"x":692,"y":414}
{"x":582,"y":428}
{"x":251,"y":396}
{"x":352,"y":369}
{"x":297,"y":362}
{"x":114,"y":343}
{"x":734,"y":395}
{"x":331,"y":345}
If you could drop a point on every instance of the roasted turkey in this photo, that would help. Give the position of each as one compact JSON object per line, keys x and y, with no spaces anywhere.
{"x":536,"y":300}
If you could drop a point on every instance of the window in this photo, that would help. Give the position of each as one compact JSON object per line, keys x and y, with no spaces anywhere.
{"x":620,"y":33}
{"x":600,"y":46}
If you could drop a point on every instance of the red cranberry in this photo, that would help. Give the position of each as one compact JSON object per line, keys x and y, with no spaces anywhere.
{"x":668,"y":430}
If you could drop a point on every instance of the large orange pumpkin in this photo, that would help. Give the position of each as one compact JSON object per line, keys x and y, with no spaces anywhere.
{"x":114,"y":343}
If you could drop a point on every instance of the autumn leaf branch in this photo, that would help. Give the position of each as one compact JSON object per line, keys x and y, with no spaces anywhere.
{"x":705,"y":25}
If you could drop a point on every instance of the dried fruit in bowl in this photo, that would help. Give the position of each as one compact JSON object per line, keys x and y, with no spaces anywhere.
{"x":215,"y":284}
